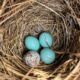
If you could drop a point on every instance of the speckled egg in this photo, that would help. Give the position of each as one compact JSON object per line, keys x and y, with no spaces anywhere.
{"x":46,"y":39}
{"x":32,"y":58}
{"x":47,"y":56}
{"x":32,"y":43}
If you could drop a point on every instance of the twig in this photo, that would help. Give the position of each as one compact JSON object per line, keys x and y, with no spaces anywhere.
{"x":73,"y":72}
{"x":15,"y":12}
{"x":17,"y":4}
{"x":73,"y":13}
{"x":65,"y":63}
{"x":2,"y":7}
{"x":58,"y":77}
{"x":14,"y":9}
{"x":77,"y":76}
{"x":24,"y":77}
{"x":48,"y":8}
{"x":15,"y":72}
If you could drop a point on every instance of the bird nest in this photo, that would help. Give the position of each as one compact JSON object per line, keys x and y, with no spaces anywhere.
{"x":29,"y":17}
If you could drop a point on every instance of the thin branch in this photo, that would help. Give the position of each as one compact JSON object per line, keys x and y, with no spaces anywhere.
{"x":3,"y":7}
{"x":77,"y":68}
{"x":24,"y":77}
{"x":18,"y":10}
{"x":48,"y":8}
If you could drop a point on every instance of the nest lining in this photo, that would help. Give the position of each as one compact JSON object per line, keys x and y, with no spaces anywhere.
{"x":31,"y":21}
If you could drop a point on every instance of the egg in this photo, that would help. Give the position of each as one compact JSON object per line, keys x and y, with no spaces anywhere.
{"x":32,"y":43}
{"x":47,"y":56}
{"x":32,"y":58}
{"x":46,"y":39}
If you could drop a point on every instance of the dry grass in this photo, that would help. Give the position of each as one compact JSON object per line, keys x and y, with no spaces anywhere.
{"x":30,"y":17}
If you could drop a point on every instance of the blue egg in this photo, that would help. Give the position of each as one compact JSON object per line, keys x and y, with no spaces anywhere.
{"x":46,"y":39}
{"x":32,"y":43}
{"x":47,"y":56}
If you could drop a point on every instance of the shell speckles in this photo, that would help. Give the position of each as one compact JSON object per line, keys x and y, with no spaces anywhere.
{"x":32,"y":58}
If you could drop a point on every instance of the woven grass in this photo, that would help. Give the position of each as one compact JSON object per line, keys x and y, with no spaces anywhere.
{"x":30,"y":17}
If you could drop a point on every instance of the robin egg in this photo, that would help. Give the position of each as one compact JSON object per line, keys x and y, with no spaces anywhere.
{"x":32,"y":43}
{"x":32,"y":58}
{"x":46,"y":39}
{"x":47,"y":56}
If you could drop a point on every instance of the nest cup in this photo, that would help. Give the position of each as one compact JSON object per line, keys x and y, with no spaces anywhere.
{"x":33,"y":20}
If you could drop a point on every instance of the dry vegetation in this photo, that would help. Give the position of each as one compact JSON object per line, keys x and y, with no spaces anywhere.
{"x":19,"y":18}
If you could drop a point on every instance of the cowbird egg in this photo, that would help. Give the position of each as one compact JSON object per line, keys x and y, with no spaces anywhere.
{"x":46,"y":39}
{"x":32,"y":43}
{"x":47,"y":56}
{"x":32,"y":58}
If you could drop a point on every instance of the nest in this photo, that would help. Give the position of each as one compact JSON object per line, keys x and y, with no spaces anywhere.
{"x":29,"y":17}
